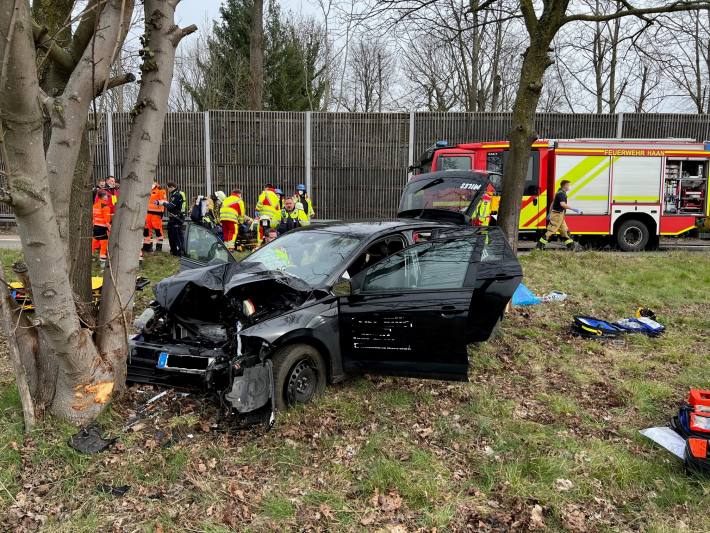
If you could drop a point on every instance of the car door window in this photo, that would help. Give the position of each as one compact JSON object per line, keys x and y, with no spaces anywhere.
{"x":428,"y":266}
{"x":204,"y":246}
{"x":494,"y":253}
{"x":375,"y":253}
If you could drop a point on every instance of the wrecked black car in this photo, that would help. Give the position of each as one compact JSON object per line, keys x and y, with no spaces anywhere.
{"x":401,"y":297}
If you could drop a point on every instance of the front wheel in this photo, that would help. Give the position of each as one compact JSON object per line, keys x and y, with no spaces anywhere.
{"x":299,"y":375}
{"x":632,"y":235}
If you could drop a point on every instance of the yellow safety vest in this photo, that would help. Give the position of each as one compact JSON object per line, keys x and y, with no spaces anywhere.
{"x":268,"y":204}
{"x":232,"y":209}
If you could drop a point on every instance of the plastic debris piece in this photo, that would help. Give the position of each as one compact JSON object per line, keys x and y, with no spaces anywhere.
{"x":554,"y":296}
{"x":523,"y":296}
{"x":113,"y":491}
{"x":666,"y":438}
{"x":89,"y":440}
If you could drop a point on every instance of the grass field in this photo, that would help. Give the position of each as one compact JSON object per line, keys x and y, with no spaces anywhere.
{"x":545,"y":435}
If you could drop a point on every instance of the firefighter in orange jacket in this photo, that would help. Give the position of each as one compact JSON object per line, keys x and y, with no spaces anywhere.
{"x":154,"y":219}
{"x":102,"y":225}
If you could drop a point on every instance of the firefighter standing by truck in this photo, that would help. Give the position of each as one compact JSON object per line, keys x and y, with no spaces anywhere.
{"x":557,"y":218}
{"x":231,"y":216}
{"x":102,"y":225}
{"x":154,"y":220}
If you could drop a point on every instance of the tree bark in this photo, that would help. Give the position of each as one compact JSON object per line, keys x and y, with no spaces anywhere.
{"x":139,"y":168}
{"x":256,"y":57}
{"x":83,"y":380}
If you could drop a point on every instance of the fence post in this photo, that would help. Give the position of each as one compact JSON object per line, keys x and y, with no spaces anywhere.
{"x":411,"y":143}
{"x":307,"y":154}
{"x":109,"y":141}
{"x":619,"y":125}
{"x":208,"y":154}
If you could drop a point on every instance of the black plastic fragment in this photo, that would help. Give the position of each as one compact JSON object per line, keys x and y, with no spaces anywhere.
{"x":113,"y":491}
{"x":89,"y":440}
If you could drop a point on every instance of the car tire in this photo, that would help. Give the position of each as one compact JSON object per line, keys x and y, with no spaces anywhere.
{"x":299,"y":375}
{"x":632,"y":235}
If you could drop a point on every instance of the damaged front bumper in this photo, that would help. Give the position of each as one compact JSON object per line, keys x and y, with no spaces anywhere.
{"x":244,"y":385}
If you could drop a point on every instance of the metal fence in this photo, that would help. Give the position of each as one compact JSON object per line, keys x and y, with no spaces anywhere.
{"x":354,"y":164}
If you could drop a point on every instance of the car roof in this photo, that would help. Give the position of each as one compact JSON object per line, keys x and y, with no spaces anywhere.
{"x":370,"y":227}
{"x":450,"y":174}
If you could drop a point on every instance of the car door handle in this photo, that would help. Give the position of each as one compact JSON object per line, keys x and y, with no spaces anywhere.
{"x":448,"y":311}
{"x":534,"y":202}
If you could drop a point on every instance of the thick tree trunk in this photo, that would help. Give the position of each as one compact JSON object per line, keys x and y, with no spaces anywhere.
{"x":256,"y":57}
{"x":139,"y":168}
{"x":83,"y":379}
{"x":80,"y":226}
{"x":522,"y":136}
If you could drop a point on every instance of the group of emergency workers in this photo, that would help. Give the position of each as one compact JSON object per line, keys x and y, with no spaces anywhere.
{"x":172,"y":203}
{"x":275,"y":214}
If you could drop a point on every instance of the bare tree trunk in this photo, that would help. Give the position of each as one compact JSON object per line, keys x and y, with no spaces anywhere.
{"x":82,"y":380}
{"x":7,"y":306}
{"x":139,"y":168}
{"x":256,"y":57}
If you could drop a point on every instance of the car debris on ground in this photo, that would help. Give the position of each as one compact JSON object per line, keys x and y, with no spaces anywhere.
{"x":89,"y":440}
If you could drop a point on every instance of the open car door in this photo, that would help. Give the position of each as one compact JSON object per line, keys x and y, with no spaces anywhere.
{"x":203,"y":248}
{"x":407,"y":315}
{"x":414,"y":313}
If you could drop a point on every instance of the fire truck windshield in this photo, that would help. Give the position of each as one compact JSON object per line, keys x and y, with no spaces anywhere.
{"x":449,"y":194}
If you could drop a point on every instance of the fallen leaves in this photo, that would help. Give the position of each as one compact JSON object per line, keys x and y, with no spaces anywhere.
{"x":536,"y":518}
{"x":563,"y":485}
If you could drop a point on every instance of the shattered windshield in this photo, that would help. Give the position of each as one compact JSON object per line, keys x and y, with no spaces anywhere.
{"x":450,"y":194}
{"x":310,"y":255}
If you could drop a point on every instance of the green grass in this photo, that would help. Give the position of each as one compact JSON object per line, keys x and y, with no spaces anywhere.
{"x":541,"y":406}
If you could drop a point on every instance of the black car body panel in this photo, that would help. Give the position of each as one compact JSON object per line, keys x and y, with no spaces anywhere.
{"x":400,"y":297}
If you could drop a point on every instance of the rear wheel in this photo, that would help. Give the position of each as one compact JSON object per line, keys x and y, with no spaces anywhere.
{"x":299,"y":375}
{"x":632,"y":235}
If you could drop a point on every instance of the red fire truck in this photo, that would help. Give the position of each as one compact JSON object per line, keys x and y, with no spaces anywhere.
{"x":632,"y":189}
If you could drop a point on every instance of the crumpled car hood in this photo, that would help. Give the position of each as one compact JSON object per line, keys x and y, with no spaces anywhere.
{"x":221,"y":279}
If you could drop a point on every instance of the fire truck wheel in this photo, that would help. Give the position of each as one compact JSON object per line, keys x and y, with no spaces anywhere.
{"x":632,"y":235}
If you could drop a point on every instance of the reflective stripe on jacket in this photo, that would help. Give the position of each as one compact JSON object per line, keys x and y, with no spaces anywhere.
{"x":232,"y":209}
{"x":268,"y":204}
{"x":306,"y":204}
{"x":285,"y":221}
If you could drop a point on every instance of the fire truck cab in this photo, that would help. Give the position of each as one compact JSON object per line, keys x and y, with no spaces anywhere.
{"x":634,"y":190}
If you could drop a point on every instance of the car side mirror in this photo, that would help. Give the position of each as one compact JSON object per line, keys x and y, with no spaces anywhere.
{"x":343,"y":287}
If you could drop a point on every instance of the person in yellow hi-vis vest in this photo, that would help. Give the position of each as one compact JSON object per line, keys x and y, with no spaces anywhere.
{"x":303,"y":201}
{"x":231,"y":216}
{"x":290,"y":217}
{"x":266,"y":208}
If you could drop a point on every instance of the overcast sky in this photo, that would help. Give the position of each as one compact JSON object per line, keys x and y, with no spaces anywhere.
{"x":196,"y":11}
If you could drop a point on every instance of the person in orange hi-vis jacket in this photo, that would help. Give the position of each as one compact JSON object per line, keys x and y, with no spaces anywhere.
{"x":154,"y":219}
{"x":102,"y":226}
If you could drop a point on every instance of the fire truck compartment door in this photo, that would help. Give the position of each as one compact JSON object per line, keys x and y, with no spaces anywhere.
{"x":637,"y":179}
{"x":589,"y":178}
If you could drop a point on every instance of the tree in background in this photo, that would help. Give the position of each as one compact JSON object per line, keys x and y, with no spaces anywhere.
{"x":289,"y":72}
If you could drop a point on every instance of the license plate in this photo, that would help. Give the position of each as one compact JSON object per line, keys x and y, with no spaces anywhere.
{"x":162,"y":360}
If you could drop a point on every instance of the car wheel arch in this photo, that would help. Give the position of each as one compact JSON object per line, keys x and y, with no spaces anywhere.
{"x":305,"y":337}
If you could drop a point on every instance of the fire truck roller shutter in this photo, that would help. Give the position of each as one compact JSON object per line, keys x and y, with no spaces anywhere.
{"x":589,"y":178}
{"x":637,"y":180}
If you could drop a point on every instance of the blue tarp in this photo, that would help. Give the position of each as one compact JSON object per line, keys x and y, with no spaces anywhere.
{"x":523,"y":296}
